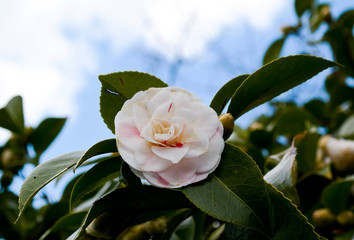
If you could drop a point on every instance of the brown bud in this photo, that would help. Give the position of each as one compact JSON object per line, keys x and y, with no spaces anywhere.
{"x":228,"y":123}
{"x":156,"y":227}
{"x":323,"y":218}
{"x":346,"y":218}
{"x":9,"y":158}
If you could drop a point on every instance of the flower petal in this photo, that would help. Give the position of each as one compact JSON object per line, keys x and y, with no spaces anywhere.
{"x":210,"y":160}
{"x":173,"y":154}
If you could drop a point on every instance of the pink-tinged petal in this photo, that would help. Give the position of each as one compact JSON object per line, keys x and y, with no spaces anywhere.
{"x":127,"y":131}
{"x":180,"y":174}
{"x":155,"y":179}
{"x":172,"y":154}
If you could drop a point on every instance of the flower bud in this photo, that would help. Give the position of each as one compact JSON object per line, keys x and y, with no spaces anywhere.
{"x":9,"y":158}
{"x":228,"y":123}
{"x":323,"y":218}
{"x":346,"y":218}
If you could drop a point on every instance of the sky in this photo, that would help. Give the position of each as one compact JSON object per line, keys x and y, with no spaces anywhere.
{"x":51,"y":53}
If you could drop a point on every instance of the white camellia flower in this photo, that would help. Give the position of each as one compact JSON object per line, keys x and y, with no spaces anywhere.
{"x":169,"y":137}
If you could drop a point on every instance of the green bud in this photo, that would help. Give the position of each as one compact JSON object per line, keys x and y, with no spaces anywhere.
{"x":228,"y":123}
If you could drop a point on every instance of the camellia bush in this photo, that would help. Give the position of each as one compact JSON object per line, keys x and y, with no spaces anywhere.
{"x":25,"y":146}
{"x":170,"y":170}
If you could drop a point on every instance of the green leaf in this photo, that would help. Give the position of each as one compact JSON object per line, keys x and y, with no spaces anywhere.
{"x":105,"y":146}
{"x":346,"y":130}
{"x":284,"y":176}
{"x":45,"y":133}
{"x":306,"y":151}
{"x":185,"y":230}
{"x":235,"y":192}
{"x":66,"y":224}
{"x":43,"y":174}
{"x":119,"y":87}
{"x":11,"y":116}
{"x":341,"y":38}
{"x":225,"y":93}
{"x":95,"y":178}
{"x":302,"y":5}
{"x":293,"y":121}
{"x":125,"y":207}
{"x":287,"y":222}
{"x":336,"y":195}
{"x":273,"y":79}
{"x":274,"y":50}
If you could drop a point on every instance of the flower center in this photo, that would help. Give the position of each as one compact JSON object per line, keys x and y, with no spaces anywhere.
{"x":165,"y":133}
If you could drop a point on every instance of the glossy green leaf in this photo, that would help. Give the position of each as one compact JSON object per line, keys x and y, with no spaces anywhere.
{"x":105,"y":146}
{"x":45,"y":173}
{"x":273,"y":79}
{"x":287,"y":222}
{"x":11,"y":116}
{"x":284,"y":176}
{"x":66,"y":224}
{"x":119,"y":87}
{"x":336,"y":195}
{"x":225,"y":93}
{"x":302,"y":5}
{"x":45,"y":133}
{"x":229,"y":192}
{"x":274,"y":50}
{"x":346,"y":130}
{"x":95,"y":178}
{"x":229,"y":195}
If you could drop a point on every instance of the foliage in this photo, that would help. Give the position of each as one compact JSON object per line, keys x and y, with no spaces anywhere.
{"x":25,"y":146}
{"x":275,"y":179}
{"x":118,"y":205}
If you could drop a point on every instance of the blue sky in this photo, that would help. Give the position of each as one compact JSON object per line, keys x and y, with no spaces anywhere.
{"x":51,"y":53}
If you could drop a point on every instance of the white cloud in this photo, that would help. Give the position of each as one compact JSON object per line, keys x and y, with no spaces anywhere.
{"x":46,"y":46}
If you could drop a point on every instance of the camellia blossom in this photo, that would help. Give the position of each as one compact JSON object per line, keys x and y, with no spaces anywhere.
{"x":169,"y":137}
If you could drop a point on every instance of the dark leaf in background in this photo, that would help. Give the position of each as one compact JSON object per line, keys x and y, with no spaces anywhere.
{"x":11,"y":116}
{"x":274,"y":50}
{"x":45,"y":133}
